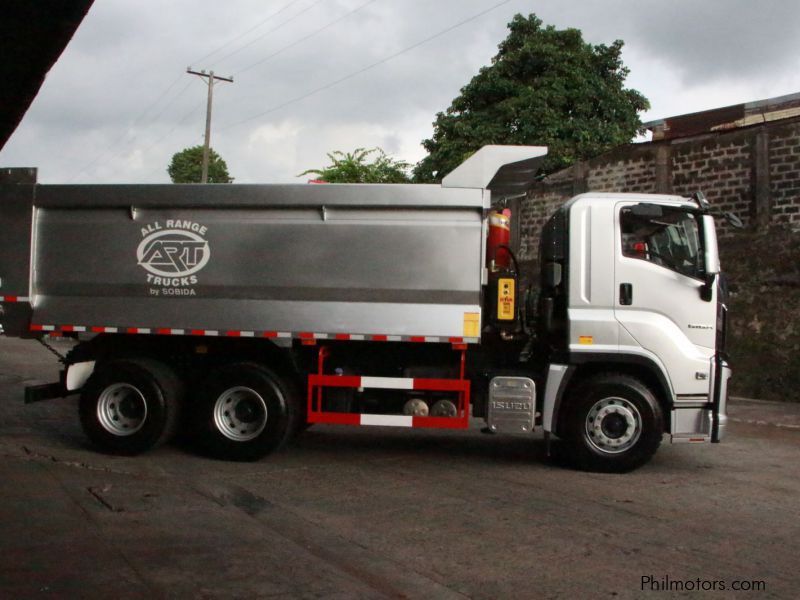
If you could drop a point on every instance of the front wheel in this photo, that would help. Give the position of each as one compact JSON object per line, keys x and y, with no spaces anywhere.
{"x":614,"y":424}
{"x":246,"y":412}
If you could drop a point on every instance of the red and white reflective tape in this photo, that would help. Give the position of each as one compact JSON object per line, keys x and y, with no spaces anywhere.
{"x":300,"y":335}
{"x":15,"y":299}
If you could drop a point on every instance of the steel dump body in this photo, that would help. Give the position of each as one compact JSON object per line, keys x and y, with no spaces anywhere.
{"x":274,"y":260}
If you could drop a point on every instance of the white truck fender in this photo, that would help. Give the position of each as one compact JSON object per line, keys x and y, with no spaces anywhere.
{"x":78,"y":374}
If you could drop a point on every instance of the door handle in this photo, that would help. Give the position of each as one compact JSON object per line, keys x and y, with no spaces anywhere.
{"x":625,"y":294}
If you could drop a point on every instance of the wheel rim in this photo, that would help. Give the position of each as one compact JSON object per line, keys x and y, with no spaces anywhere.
{"x":613,"y":425}
{"x":240,"y":414}
{"x":121,"y":409}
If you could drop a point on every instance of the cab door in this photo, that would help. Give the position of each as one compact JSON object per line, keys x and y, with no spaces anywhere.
{"x":662,"y":306}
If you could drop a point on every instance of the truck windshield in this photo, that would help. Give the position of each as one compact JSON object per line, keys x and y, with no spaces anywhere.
{"x":670,"y":239}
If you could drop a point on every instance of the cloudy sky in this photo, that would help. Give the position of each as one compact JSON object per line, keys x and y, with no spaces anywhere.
{"x":312,"y":76}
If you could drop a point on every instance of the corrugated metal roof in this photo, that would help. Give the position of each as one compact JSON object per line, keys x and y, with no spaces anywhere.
{"x":726,"y":117}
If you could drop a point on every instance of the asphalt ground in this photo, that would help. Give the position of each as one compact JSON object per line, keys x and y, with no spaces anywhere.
{"x":380,"y":512}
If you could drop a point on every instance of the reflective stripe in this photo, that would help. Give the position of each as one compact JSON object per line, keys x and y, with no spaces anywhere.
{"x":388,"y":420}
{"x":388,"y":383}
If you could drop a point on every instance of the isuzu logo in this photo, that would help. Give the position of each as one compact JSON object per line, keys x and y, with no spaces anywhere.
{"x":172,"y":254}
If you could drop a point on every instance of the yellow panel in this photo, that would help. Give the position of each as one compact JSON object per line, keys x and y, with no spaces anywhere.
{"x":505,"y":299}
{"x":586,"y":339}
{"x":472,"y":324}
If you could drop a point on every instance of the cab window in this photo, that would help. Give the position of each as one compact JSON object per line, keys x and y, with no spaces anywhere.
{"x":663,"y":235}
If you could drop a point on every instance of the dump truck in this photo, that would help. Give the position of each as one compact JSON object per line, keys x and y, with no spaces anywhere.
{"x":248,"y":313}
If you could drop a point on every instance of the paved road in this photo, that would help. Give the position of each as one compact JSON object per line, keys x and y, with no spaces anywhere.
{"x":375,"y":513}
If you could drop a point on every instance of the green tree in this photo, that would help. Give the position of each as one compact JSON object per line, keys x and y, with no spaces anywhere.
{"x":352,"y":167}
{"x":544,"y":87}
{"x":187,"y":166}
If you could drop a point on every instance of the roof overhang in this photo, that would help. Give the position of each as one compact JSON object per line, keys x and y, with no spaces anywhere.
{"x":32,"y":37}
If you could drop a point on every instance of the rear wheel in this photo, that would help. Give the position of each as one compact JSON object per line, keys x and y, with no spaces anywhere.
{"x":129,"y":406}
{"x":615,"y":424}
{"x":246,"y":412}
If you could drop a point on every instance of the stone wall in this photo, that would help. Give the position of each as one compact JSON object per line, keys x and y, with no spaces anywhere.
{"x":722,"y":168}
{"x":637,"y":174}
{"x":784,"y":174}
{"x":753,"y":172}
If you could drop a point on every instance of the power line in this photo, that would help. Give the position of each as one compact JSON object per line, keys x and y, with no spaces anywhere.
{"x":121,"y":139}
{"x":168,"y":104}
{"x":134,"y":123}
{"x":305,"y":38}
{"x":244,"y":33}
{"x":157,"y":100}
{"x":273,"y":30}
{"x":173,"y":128}
{"x":364,"y":69}
{"x":154,"y":143}
{"x":274,"y":54}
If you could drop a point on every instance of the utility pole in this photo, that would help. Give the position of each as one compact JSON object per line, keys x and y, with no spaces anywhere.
{"x":210,"y":78}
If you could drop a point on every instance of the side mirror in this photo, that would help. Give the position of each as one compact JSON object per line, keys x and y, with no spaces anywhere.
{"x":707,"y":289}
{"x":733,"y":220}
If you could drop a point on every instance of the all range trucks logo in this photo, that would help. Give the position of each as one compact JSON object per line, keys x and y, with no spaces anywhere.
{"x":173,"y":254}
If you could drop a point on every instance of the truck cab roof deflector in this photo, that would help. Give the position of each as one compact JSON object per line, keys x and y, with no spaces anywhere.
{"x":504,"y":170}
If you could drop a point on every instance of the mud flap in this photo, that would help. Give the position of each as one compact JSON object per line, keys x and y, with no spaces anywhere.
{"x":45,"y":391}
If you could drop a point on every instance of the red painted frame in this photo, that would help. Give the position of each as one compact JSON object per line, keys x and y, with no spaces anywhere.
{"x":317,"y":381}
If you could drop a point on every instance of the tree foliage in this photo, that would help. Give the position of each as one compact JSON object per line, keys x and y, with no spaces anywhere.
{"x":544,"y":87}
{"x":187,"y":166}
{"x":353,"y":167}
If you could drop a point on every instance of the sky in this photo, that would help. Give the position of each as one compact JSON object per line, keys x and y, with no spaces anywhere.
{"x":312,"y":76}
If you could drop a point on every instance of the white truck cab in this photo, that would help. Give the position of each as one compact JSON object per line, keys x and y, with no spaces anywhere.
{"x":631,"y":286}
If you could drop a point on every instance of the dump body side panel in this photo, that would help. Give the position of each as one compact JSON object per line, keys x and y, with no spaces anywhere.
{"x":330,"y":259}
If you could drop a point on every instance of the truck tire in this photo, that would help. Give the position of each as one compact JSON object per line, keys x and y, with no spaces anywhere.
{"x":246,"y":412}
{"x":614,"y":424}
{"x":129,"y":406}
